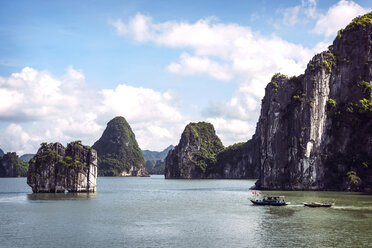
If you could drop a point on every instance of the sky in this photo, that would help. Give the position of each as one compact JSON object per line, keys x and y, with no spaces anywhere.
{"x":69,"y":67}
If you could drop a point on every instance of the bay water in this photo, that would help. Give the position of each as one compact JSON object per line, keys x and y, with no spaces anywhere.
{"x":154,"y":212}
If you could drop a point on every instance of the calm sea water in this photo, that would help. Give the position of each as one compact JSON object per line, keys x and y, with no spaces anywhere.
{"x":154,"y":212}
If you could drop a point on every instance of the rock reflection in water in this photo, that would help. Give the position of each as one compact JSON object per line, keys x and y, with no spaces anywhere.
{"x":60,"y":196}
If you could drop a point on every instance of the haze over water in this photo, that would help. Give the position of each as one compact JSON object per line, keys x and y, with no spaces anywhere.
{"x":153,"y":212}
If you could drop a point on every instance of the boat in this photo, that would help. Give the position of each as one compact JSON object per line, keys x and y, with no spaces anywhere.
{"x":258,"y":199}
{"x":318,"y":205}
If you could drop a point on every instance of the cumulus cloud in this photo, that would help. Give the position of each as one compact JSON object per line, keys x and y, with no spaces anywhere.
{"x":232,"y":131}
{"x":224,"y":52}
{"x":141,"y":104}
{"x":41,"y":107}
{"x":192,"y":65}
{"x":15,"y":138}
{"x":337,"y":17}
{"x":37,"y":106}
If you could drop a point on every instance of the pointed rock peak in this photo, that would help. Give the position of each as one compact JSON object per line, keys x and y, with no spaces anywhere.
{"x":118,"y":150}
{"x":195,"y":152}
{"x":204,"y":133}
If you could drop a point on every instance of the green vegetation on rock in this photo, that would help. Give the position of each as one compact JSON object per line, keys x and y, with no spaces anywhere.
{"x":118,"y":150}
{"x":332,"y":102}
{"x":204,"y":135}
{"x":366,"y":102}
{"x":12,"y":166}
{"x":329,"y":61}
{"x":360,"y":21}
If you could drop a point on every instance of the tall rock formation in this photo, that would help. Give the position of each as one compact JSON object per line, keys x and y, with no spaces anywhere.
{"x":201,"y":154}
{"x":195,"y":152}
{"x":56,"y":169}
{"x":315,"y":130}
{"x":155,"y":167}
{"x":118,"y":151}
{"x":238,"y":161}
{"x":1,"y":153}
{"x":12,"y":166}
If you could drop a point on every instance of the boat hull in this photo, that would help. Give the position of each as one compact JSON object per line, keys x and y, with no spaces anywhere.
{"x":269,"y":203}
{"x":310,"y":205}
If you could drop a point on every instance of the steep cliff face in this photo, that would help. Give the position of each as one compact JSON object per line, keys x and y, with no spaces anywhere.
{"x":57,"y":169}
{"x":118,"y":151}
{"x":155,"y":167}
{"x":238,"y":161}
{"x":12,"y":166}
{"x":195,"y":153}
{"x":201,"y":154}
{"x":314,"y":131}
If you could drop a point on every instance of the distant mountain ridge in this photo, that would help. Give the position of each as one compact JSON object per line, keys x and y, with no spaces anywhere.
{"x":1,"y":153}
{"x":27,"y":157}
{"x":153,"y":155}
{"x":155,"y":160}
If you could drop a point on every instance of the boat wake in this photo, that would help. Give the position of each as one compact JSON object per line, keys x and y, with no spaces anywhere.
{"x":352,"y":208}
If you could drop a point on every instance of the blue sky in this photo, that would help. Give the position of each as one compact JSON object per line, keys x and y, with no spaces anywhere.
{"x":68,"y":67}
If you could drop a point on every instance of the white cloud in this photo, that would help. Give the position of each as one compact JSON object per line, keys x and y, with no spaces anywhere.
{"x":16,"y":139}
{"x":290,"y":15}
{"x":154,"y":116}
{"x":232,"y":131}
{"x":36,"y":106}
{"x":310,"y":8}
{"x":224,"y":52}
{"x":141,"y":104}
{"x":337,"y":17}
{"x":41,"y":107}
{"x":299,"y":13}
{"x":192,"y":65}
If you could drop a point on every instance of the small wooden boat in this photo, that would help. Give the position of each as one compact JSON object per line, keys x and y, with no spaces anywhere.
{"x":318,"y":205}
{"x":269,"y":200}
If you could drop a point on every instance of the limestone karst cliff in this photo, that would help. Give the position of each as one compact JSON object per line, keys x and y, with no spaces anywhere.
{"x":314,"y":131}
{"x":201,"y":154}
{"x":195,"y":152}
{"x":118,"y":151}
{"x":56,"y":169}
{"x":12,"y":166}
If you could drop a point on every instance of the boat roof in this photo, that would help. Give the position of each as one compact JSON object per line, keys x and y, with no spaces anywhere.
{"x":274,"y":196}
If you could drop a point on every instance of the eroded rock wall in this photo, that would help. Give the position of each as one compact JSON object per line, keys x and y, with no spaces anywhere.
{"x":57,"y":169}
{"x":314,"y":131}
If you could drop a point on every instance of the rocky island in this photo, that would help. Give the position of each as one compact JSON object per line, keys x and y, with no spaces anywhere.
{"x":55,"y":169}
{"x":201,"y":154}
{"x":118,"y":151}
{"x":12,"y":166}
{"x":195,"y":153}
{"x":314,"y":131}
